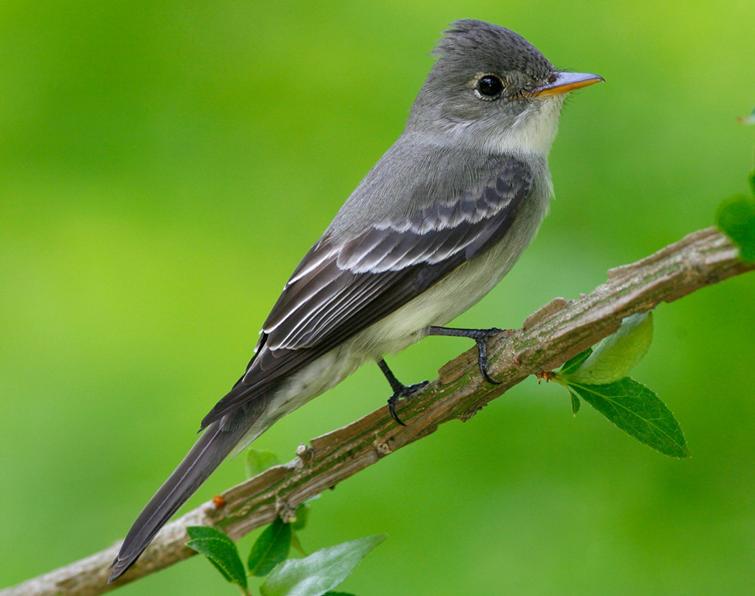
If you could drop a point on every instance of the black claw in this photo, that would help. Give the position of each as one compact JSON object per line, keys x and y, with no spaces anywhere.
{"x":482,"y":361}
{"x":403,"y":392}
{"x":392,"y":401}
{"x":480,"y":337}
{"x":481,"y":340}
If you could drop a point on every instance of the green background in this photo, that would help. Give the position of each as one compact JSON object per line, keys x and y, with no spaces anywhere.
{"x":163,"y":166}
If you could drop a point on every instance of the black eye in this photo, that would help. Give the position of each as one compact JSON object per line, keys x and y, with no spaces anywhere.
{"x":489,"y":87}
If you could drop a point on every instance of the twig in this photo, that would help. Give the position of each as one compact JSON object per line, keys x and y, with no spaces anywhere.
{"x":549,"y":337}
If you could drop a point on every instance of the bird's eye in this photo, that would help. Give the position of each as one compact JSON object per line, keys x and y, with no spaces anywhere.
{"x":489,"y":87}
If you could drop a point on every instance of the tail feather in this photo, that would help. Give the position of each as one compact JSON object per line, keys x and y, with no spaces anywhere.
{"x":216,"y":442}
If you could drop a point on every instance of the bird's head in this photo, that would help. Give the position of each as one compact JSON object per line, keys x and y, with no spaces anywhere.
{"x":490,"y":88}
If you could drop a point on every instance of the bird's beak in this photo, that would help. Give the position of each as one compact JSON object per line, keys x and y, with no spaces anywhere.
{"x":565,"y":82}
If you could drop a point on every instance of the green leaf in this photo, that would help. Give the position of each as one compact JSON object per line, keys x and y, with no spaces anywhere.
{"x":270,"y":548}
{"x":736,"y":218}
{"x":331,"y":593}
{"x":321,"y":571}
{"x":302,"y":513}
{"x":575,"y":403}
{"x":220,"y":551}
{"x":574,"y":363}
{"x":259,"y":461}
{"x":199,"y":532}
{"x":636,"y":410}
{"x":616,"y":355}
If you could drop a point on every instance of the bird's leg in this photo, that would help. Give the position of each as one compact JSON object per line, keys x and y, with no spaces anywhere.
{"x":480,"y":336}
{"x":399,"y":389}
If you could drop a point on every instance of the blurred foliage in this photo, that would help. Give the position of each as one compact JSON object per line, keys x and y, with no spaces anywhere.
{"x":163,"y":166}
{"x":736,"y":218}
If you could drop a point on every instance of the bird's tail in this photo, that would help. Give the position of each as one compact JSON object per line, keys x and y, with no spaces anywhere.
{"x":216,"y":442}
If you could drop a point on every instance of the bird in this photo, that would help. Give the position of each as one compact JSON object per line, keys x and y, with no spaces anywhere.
{"x":433,"y":227}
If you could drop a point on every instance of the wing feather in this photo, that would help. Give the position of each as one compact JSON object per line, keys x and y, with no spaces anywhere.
{"x":343,"y":286}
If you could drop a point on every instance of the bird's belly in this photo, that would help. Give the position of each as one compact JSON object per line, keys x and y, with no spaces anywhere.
{"x":437,"y":306}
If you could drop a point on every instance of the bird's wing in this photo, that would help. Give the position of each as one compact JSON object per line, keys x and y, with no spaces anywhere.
{"x":343,"y":287}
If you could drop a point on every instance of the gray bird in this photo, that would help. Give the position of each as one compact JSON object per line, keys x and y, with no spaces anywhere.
{"x":438,"y":221}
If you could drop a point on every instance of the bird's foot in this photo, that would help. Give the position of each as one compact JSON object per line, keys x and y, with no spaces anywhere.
{"x":480,"y":337}
{"x":402,"y":392}
{"x":481,"y":340}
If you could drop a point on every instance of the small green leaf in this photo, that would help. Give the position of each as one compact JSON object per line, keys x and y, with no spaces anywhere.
{"x":574,"y":363}
{"x":220,"y":551}
{"x":638,"y":411}
{"x":616,"y":355}
{"x":575,"y":403}
{"x":199,"y":532}
{"x":270,"y":548}
{"x":302,"y":513}
{"x":736,"y":218}
{"x":321,"y":571}
{"x":259,"y":461}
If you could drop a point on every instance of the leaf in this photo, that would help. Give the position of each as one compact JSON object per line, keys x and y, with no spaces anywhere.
{"x":575,"y":403}
{"x":736,"y":218}
{"x":270,"y":548}
{"x":259,"y":461}
{"x":638,"y":411}
{"x":302,"y":513}
{"x":321,"y":571}
{"x":574,"y":363}
{"x":200,"y":532}
{"x":616,"y":355}
{"x":331,"y":593}
{"x":220,"y":551}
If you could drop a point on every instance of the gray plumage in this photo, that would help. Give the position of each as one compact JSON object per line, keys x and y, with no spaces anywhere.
{"x":438,"y":221}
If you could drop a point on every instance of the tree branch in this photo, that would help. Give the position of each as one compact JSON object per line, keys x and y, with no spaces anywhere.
{"x":548,"y":338}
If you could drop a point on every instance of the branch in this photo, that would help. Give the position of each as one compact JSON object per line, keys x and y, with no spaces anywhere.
{"x":548,"y":338}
